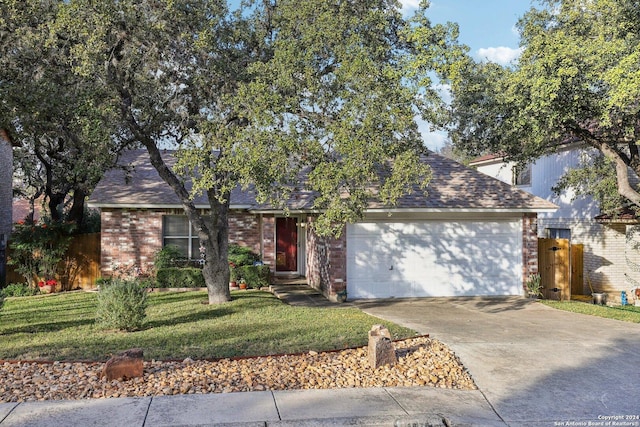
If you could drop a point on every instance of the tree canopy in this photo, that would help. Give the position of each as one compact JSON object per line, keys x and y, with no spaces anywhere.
{"x":64,"y":125}
{"x":258,"y":96}
{"x":577,"y":80}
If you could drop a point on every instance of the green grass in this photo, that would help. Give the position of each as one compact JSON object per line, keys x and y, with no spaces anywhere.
{"x":627,"y":313}
{"x":179,"y":325}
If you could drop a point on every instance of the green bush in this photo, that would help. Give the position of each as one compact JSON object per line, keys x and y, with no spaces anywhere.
{"x":241,"y":255}
{"x":19,"y":290}
{"x":37,"y":249}
{"x":121,"y":305}
{"x":174,"y":277}
{"x":167,"y":257}
{"x":256,"y":276}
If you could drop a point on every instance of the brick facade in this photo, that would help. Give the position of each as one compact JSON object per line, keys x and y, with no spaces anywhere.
{"x":244,"y":229}
{"x":268,"y":240}
{"x":131,"y":237}
{"x":326,"y":262}
{"x":529,"y":247}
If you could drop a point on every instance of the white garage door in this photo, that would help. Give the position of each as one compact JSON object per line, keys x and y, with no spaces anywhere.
{"x":434,"y":258}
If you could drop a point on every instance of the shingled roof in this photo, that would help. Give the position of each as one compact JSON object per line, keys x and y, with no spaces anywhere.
{"x":453,"y":186}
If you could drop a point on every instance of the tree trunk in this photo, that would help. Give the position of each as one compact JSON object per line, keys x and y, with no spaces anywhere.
{"x":216,"y":245}
{"x":212,"y":229}
{"x":76,"y":212}
{"x":625,"y":188}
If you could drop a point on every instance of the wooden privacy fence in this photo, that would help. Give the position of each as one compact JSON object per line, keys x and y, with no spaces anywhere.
{"x":80,"y":267}
{"x":560,"y":265}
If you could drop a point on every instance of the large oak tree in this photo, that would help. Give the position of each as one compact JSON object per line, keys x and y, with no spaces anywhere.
{"x":262,"y":96}
{"x":578,"y":79}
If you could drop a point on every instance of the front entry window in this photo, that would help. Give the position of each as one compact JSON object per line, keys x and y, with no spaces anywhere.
{"x":176,"y":230}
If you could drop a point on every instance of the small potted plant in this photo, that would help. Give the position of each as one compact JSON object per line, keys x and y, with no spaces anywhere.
{"x":243,"y":284}
{"x":534,"y":286}
{"x":233,"y":276}
{"x":47,"y":286}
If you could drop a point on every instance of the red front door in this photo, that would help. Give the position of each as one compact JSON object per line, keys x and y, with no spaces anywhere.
{"x":286,"y":244}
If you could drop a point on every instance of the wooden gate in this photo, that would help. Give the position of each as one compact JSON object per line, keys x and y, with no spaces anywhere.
{"x":553,"y":266}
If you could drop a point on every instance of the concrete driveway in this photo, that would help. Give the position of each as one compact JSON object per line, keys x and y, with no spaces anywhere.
{"x":535,"y":365}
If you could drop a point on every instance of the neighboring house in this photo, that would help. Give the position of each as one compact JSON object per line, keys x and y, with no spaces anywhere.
{"x":608,"y":243}
{"x":467,"y":235}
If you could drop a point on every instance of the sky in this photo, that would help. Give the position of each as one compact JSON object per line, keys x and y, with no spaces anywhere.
{"x":487,"y":27}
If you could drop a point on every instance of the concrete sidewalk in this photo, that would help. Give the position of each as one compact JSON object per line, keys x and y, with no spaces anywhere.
{"x":419,"y":406}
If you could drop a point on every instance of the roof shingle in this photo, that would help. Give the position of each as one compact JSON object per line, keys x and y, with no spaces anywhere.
{"x":453,"y":186}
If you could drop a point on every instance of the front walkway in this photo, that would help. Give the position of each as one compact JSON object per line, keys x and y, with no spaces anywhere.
{"x":302,"y":295}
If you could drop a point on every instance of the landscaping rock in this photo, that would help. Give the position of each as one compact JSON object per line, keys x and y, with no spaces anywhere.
{"x":422,"y":361}
{"x":126,"y":365}
{"x":381,"y":350}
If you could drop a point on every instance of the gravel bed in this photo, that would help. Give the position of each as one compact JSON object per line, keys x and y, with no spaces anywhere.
{"x":422,"y":361}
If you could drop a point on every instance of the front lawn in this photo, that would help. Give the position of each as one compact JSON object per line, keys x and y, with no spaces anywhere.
{"x":179,"y":325}
{"x":627,"y":313}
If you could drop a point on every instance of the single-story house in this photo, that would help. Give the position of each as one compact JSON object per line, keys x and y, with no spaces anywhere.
{"x":466,"y":235}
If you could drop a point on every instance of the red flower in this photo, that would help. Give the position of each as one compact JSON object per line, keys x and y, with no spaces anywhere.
{"x":41,"y":283}
{"x":51,"y":282}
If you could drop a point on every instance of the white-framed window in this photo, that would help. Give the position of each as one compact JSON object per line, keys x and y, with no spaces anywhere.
{"x":178,"y":231}
{"x":522,"y":174}
{"x":559,"y":233}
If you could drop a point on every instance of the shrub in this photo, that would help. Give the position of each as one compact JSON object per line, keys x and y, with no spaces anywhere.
{"x":37,"y":249}
{"x":174,"y":277}
{"x":256,"y":276}
{"x":241,"y":255}
{"x":534,"y":285}
{"x":121,"y":305}
{"x":18,"y":290}
{"x":167,"y":257}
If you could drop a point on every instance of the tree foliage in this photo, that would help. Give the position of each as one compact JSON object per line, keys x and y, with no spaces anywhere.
{"x":319,"y":96}
{"x":63,"y":123}
{"x":578,"y":79}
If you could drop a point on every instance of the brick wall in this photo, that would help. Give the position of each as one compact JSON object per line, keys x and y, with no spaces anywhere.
{"x":244,"y":230}
{"x":269,"y":241}
{"x":529,"y":246}
{"x":131,"y":237}
{"x":326,"y":262}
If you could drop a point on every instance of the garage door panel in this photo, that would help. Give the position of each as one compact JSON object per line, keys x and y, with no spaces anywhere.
{"x":434,"y":258}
